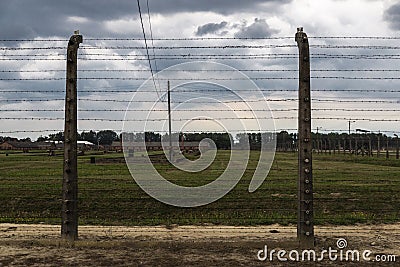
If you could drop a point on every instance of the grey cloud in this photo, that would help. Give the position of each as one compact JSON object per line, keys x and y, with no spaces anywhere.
{"x":28,"y":18}
{"x":259,"y":29}
{"x":392,"y":16}
{"x":210,"y":28}
{"x":217,"y":6}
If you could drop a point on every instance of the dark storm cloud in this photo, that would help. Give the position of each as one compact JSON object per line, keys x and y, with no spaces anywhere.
{"x":28,"y":19}
{"x":210,"y":28}
{"x":258,"y":29}
{"x":32,"y":18}
{"x":392,"y":16}
{"x":217,"y":6}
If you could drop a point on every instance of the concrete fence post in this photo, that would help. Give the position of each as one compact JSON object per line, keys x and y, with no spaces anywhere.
{"x":69,"y":225}
{"x":305,"y":217}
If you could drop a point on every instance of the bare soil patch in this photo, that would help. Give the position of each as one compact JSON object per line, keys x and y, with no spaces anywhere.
{"x":173,"y":245}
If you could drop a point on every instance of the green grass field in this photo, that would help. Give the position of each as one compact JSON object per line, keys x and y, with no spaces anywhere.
{"x":348,"y":190}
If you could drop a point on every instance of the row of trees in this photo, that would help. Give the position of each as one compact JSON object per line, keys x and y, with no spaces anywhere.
{"x":105,"y":137}
{"x":9,"y":138}
{"x":98,"y":138}
{"x":284,"y":139}
{"x":222,"y":140}
{"x":343,"y":141}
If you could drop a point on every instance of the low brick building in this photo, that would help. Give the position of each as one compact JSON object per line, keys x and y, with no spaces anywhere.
{"x":27,"y":146}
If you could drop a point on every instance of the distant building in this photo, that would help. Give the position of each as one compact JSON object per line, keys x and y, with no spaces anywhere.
{"x":116,"y":146}
{"x":85,"y":145}
{"x":157,"y":146}
{"x":45,"y":145}
{"x":27,"y":146}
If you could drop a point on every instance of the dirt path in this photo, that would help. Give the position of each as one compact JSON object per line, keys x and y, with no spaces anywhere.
{"x":39,"y":245}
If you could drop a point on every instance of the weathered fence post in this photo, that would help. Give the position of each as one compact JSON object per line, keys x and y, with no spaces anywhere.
{"x":362,"y":146}
{"x":378,"y":153}
{"x":69,"y":225}
{"x":344,"y":146}
{"x":334,"y":144}
{"x":387,"y":147}
{"x":350,"y":147}
{"x":305,"y":217}
{"x":356,"y":146}
{"x":371,"y":154}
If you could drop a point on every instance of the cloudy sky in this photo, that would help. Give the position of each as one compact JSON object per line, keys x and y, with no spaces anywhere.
{"x":47,"y":19}
{"x":176,"y":18}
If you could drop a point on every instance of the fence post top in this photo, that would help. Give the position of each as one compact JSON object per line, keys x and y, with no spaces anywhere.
{"x":76,"y":38}
{"x":301,"y":37}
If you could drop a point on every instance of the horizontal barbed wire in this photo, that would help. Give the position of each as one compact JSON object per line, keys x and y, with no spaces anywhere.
{"x":196,"y":90}
{"x":219,"y":57}
{"x":221,"y":70}
{"x":201,"y":78}
{"x":293,"y":130}
{"x":199,"y":110}
{"x":207,"y":102}
{"x":86,"y":47}
{"x":206,"y":38}
{"x":197,"y":119}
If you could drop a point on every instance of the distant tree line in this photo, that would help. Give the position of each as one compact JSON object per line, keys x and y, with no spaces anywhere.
{"x":285,"y":140}
{"x":335,"y":141}
{"x":222,"y":140}
{"x":105,"y":137}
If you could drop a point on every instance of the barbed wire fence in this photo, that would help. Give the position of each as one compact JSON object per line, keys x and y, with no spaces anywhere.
{"x":354,"y":86}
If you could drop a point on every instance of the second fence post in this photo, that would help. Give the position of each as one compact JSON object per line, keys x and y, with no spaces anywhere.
{"x":305,"y":217}
{"x":69,"y":225}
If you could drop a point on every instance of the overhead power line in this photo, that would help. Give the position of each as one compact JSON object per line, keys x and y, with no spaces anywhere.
{"x":147,"y":48}
{"x":152,"y":40}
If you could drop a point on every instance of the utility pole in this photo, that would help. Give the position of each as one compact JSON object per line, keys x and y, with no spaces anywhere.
{"x":69,"y":226}
{"x":305,"y":216}
{"x":350,"y":122}
{"x":170,"y":123}
{"x":397,"y":146}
